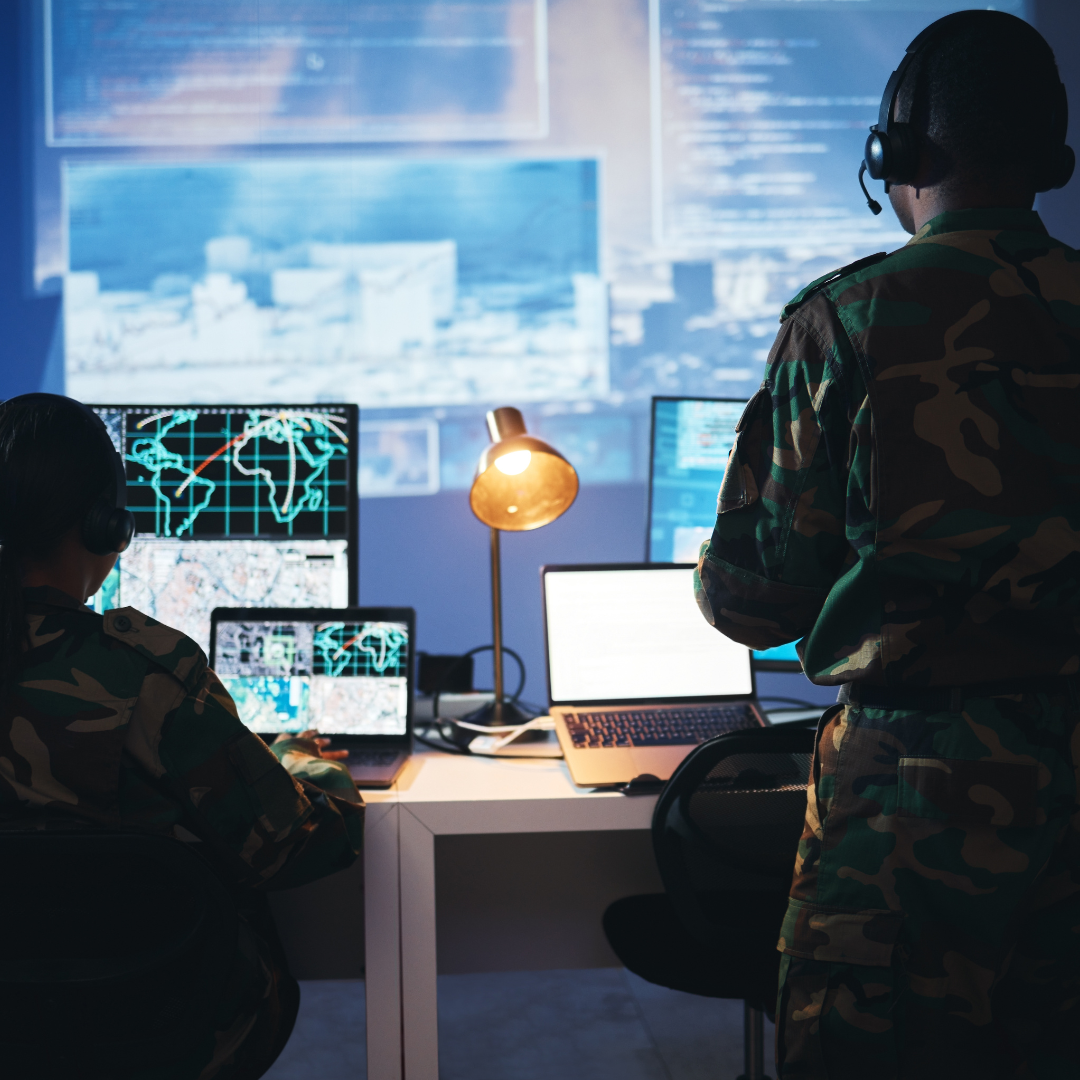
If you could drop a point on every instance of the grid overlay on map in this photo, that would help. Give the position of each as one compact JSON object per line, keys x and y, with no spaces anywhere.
{"x":232,"y":473}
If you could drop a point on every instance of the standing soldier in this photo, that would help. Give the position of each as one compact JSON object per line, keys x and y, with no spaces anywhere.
{"x":904,"y":497}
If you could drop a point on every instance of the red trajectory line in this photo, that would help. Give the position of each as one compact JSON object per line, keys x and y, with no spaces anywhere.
{"x":344,"y":647}
{"x":216,"y":454}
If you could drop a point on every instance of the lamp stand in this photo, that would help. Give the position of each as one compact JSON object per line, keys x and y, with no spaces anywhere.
{"x":500,"y":712}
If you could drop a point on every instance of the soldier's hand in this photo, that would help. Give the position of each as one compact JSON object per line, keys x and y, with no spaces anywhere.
{"x":316,"y":745}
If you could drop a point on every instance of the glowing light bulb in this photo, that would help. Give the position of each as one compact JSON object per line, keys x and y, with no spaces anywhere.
{"x":517,"y":461}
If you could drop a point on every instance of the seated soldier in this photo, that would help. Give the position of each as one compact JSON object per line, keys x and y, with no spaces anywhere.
{"x":149,"y":739}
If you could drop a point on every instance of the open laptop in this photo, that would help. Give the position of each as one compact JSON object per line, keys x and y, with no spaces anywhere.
{"x":636,"y":676}
{"x":346,"y":672}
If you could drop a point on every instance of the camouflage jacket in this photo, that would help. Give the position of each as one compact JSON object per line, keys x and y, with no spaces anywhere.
{"x":903,"y":490}
{"x":118,"y":720}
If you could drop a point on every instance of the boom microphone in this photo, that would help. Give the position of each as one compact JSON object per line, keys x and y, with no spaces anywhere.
{"x":875,"y":206}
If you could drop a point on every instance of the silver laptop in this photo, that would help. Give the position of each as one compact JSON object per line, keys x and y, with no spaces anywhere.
{"x":344,"y":672}
{"x":636,"y":676}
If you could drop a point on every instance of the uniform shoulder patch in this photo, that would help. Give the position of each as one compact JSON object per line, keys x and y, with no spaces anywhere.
{"x":160,"y":644}
{"x":827,"y":279}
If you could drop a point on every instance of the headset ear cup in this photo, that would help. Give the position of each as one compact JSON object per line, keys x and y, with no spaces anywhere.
{"x":121,"y":529}
{"x":878,"y":155}
{"x":106,"y":529}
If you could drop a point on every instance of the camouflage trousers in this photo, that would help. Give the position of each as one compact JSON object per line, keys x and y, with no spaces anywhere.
{"x":933,"y":925}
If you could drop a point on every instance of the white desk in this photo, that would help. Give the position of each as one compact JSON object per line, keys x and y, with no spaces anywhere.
{"x":446,"y":795}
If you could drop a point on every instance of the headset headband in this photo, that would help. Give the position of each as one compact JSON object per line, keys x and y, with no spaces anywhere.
{"x":893,"y":147}
{"x":896,"y":79}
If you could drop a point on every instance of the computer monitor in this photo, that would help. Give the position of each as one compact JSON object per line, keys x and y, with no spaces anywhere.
{"x":343,"y":672}
{"x":235,"y":506}
{"x":688,"y":451}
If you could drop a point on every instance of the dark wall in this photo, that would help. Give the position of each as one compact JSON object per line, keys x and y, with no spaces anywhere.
{"x":427,"y":552}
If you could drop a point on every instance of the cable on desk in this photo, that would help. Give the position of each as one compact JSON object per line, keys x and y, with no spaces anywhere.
{"x":444,"y":746}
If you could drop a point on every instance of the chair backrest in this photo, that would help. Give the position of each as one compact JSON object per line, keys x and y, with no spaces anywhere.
{"x":730,"y":818}
{"x":116,"y":949}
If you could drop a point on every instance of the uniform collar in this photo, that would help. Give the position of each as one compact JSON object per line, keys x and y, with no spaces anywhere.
{"x":1007,"y":218}
{"x":46,"y":594}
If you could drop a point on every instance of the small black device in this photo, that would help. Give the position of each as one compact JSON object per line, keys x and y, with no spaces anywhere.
{"x":108,"y":527}
{"x":892,"y":148}
{"x":344,"y":672}
{"x":444,"y":674}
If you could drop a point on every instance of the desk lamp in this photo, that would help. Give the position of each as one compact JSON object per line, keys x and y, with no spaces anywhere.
{"x":521,"y":483}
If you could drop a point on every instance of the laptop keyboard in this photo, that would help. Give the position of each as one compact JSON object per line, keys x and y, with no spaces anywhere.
{"x":674,"y":726}
{"x":372,"y":759}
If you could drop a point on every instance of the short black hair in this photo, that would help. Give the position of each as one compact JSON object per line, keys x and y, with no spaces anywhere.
{"x":987,"y":96}
{"x":53,"y":466}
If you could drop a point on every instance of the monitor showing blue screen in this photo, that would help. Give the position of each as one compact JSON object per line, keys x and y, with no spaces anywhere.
{"x":691,"y":438}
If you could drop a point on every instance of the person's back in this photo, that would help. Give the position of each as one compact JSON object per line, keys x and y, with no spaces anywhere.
{"x":116,"y":721}
{"x":964,"y":349}
{"x":903,"y":496}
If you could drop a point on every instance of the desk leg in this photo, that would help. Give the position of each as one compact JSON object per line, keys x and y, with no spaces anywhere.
{"x":419,"y":969}
{"x":382,"y":936}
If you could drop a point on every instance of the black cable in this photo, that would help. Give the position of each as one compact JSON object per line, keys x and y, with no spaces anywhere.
{"x":445,"y":747}
{"x":472,"y":652}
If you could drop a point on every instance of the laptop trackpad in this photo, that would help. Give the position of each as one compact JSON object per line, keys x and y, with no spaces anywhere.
{"x":660,"y":761}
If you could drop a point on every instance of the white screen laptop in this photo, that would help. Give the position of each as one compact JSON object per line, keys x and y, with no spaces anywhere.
{"x":620,"y":636}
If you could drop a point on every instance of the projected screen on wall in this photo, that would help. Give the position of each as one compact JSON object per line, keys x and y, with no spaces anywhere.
{"x":429,"y":207}
{"x":235,"y":506}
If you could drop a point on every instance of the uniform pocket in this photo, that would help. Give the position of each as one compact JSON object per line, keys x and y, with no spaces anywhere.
{"x":834,"y":936}
{"x":996,"y":793}
{"x":740,"y":487}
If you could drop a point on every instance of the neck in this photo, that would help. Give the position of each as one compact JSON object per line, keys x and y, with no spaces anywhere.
{"x":932,"y":194}
{"x":70,"y":568}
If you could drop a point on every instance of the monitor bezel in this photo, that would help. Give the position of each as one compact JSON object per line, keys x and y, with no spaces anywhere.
{"x":352,"y":553}
{"x":406,"y":615}
{"x":652,"y":453}
{"x":784,"y":666}
{"x":667,"y":700}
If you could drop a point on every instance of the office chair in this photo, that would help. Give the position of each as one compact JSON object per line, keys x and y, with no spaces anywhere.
{"x":116,"y":949}
{"x":725,"y":832}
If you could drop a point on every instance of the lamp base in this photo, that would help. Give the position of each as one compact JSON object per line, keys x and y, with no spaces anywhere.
{"x":512,"y":716}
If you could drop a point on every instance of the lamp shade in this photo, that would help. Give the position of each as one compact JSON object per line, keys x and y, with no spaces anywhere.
{"x":521,"y":482}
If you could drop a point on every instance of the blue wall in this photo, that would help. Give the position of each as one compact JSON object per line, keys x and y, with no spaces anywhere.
{"x":429,"y":552}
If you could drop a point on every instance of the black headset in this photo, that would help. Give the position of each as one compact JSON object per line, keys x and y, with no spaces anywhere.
{"x":892,"y":148}
{"x":108,"y":527}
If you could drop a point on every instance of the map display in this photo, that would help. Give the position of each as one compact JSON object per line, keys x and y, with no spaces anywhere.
{"x":234,"y":507}
{"x":339,"y":678}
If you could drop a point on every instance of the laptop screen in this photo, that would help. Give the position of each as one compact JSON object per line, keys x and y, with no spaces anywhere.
{"x":339,"y":676}
{"x":624,"y":634}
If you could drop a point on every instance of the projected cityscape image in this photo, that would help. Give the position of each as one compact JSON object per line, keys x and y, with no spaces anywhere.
{"x":383,"y":282}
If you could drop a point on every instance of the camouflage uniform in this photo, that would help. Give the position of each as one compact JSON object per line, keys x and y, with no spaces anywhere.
{"x":902,"y":496}
{"x":118,"y":721}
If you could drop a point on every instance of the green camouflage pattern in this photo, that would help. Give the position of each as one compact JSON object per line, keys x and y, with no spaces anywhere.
{"x":934,"y":918}
{"x":118,"y":721}
{"x":901,"y":494}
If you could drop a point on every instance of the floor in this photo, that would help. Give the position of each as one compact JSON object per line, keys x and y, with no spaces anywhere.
{"x":538,"y":1025}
